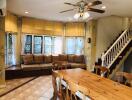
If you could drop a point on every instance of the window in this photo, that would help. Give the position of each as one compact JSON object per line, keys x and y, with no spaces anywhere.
{"x":70,"y":45}
{"x":42,"y":44}
{"x":38,"y":44}
{"x":79,"y":45}
{"x":47,"y":45}
{"x":28,"y":44}
{"x":10,"y":54}
{"x":57,"y":46}
{"x":74,"y":45}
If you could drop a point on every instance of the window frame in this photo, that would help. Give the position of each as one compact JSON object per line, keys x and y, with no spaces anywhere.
{"x":37,"y":44}
{"x":75,"y":39}
{"x":47,"y":45}
{"x":31,"y":45}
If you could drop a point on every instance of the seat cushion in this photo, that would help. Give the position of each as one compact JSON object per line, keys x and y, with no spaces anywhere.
{"x":38,"y":59}
{"x":28,"y":59}
{"x":47,"y":58}
{"x":48,"y":65}
{"x":31,"y":67}
{"x":36,"y":66}
{"x":77,"y":65}
{"x":63,"y":57}
{"x":79,"y":59}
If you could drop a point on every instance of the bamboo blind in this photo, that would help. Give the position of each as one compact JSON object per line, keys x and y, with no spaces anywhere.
{"x":75,"y":29}
{"x":37,"y":26}
{"x":11,"y":23}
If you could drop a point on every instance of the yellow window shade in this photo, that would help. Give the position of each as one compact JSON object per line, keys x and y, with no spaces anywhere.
{"x":75,"y":29}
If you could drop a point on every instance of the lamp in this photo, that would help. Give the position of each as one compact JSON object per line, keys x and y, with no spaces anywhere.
{"x":84,"y":15}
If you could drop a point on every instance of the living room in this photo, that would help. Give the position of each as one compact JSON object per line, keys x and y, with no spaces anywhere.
{"x":35,"y":35}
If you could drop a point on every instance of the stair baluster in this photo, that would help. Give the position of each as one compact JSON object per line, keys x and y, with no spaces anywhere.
{"x":115,"y":50}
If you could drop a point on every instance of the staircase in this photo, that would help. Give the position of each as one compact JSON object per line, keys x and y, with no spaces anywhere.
{"x":119,"y":65}
{"x":116,"y":52}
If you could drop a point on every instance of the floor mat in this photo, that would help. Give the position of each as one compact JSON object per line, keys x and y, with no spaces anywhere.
{"x":14,"y":84}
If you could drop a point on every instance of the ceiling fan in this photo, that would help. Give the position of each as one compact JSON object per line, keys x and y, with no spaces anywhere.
{"x":84,"y":6}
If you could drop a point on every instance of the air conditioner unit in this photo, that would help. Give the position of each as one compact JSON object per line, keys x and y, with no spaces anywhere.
{"x":2,"y":12}
{"x":2,"y":7}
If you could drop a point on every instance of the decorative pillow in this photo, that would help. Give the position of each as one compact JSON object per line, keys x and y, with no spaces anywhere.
{"x":55,"y":58}
{"x":71,"y":58}
{"x":48,"y":59}
{"x":38,"y":59}
{"x":63,"y":57}
{"x":79,"y":58}
{"x":28,"y":59}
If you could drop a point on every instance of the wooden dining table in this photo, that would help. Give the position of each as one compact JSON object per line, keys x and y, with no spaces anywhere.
{"x":99,"y":88}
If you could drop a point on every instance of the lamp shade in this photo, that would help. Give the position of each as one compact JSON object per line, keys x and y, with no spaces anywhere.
{"x":86,"y":15}
{"x":77,"y":15}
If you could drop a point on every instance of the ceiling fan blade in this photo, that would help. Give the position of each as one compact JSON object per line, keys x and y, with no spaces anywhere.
{"x":95,"y":3}
{"x":96,"y":10}
{"x":70,"y":4}
{"x":67,"y":10}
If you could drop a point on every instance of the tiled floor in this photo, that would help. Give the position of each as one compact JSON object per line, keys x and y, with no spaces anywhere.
{"x":38,"y":89}
{"x":14,"y":83}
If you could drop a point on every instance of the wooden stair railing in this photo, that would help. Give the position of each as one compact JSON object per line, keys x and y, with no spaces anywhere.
{"x":116,"y":49}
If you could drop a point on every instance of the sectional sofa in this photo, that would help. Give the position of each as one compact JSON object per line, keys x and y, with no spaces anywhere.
{"x":38,"y":62}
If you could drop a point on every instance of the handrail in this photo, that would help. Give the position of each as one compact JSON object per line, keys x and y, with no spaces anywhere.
{"x":114,"y":51}
{"x":115,"y":42}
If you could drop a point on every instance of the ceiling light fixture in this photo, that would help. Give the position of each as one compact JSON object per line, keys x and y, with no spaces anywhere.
{"x":84,"y":15}
{"x":103,"y":7}
{"x":26,"y":12}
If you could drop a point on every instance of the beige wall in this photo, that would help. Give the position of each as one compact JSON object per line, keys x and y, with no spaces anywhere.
{"x":108,"y":28}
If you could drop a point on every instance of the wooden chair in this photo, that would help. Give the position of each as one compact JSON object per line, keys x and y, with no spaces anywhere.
{"x":119,"y":77}
{"x":128,"y":77}
{"x":59,"y":65}
{"x":71,"y":90}
{"x":58,"y":88}
{"x":58,"y":92}
{"x":103,"y":70}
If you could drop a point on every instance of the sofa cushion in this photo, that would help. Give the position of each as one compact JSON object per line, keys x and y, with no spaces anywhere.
{"x":79,"y":58}
{"x":47,"y":58}
{"x":71,"y":58}
{"x":55,"y":58}
{"x":30,"y":67}
{"x":63,"y":57}
{"x":36,"y":66}
{"x":38,"y":59}
{"x":43,"y":66}
{"x":78,"y":65}
{"x":28,"y":59}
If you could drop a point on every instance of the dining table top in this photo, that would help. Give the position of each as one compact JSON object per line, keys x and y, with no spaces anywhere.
{"x":99,"y":88}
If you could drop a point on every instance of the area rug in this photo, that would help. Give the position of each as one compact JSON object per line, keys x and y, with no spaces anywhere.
{"x":14,"y":84}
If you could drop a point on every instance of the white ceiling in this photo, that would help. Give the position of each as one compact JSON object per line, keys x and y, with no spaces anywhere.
{"x":49,"y":9}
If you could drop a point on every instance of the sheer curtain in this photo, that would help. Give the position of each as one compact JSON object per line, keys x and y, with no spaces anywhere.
{"x":57,"y":45}
{"x":70,"y":45}
{"x":14,"y":49}
{"x":74,"y":45}
{"x":10,"y":51}
{"x":23,"y":41}
{"x":47,"y":45}
{"x":79,"y":45}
